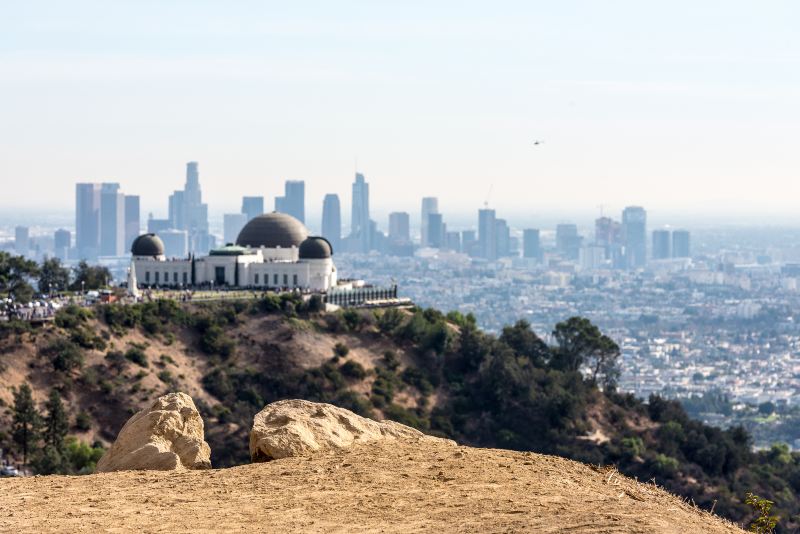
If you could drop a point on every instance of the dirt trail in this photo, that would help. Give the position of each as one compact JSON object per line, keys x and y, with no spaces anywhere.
{"x":372,"y":488}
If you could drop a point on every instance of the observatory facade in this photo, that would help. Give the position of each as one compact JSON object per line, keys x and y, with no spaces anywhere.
{"x":272,"y":251}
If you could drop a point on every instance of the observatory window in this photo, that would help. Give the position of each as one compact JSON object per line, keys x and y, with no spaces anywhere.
{"x":294,"y":280}
{"x":185,"y":278}
{"x":157,"y":276}
{"x":256,"y":278}
{"x":285,"y":280}
{"x":147,"y":276}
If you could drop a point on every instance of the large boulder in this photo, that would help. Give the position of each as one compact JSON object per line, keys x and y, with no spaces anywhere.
{"x":298,"y":427}
{"x":166,"y":436}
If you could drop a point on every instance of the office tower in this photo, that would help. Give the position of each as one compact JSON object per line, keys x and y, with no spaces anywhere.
{"x":62,"y":242}
{"x":453,"y":241}
{"x":293,"y":201}
{"x":429,"y":205}
{"x":359,"y":222}
{"x":487,"y":234}
{"x":568,"y":242}
{"x":608,"y":234}
{"x":680,"y":244}
{"x":399,"y":227}
{"x":531,"y":245}
{"x":22,"y":241}
{"x":502,"y":238}
{"x":133,"y":224}
{"x":252,"y":207}
{"x":435,"y":231}
{"x":112,"y":220}
{"x":332,"y":220}
{"x":661,"y":240}
{"x":634,"y":236}
{"x":176,"y":243}
{"x":592,"y":257}
{"x":87,"y":220}
{"x":232,"y":224}
{"x":187,"y":211}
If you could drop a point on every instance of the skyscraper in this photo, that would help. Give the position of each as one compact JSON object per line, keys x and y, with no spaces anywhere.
{"x":429,"y":205}
{"x":252,"y":207}
{"x":112,"y":220}
{"x":22,"y":241}
{"x":435,"y":231}
{"x":634,"y":236}
{"x":502,"y":238}
{"x":187,"y":211}
{"x":661,"y":240}
{"x":332,"y":220}
{"x":608,"y":234}
{"x":293,"y":201}
{"x":568,"y":242}
{"x":133,"y":223}
{"x":62,"y":242}
{"x":359,"y":221}
{"x":399,"y":227}
{"x":487,"y":234}
{"x":531,"y":246}
{"x":232,"y":224}
{"x":469,"y":243}
{"x":87,"y":220}
{"x":680,"y":244}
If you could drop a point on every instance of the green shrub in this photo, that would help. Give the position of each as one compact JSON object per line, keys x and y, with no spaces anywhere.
{"x":137,"y":356}
{"x":353,"y":370}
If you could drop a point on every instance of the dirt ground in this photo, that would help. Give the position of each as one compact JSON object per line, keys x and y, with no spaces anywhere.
{"x":372,"y":488}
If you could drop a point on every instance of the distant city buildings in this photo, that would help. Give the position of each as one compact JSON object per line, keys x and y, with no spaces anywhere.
{"x":634,"y":234}
{"x":487,"y":234}
{"x":360,"y":239}
{"x":22,"y":244}
{"x":399,"y":227}
{"x":502,"y":238}
{"x":293,"y":201}
{"x":568,"y":242}
{"x":252,"y":207}
{"x":531,"y":244}
{"x":188,"y":212}
{"x":332,"y":220}
{"x":133,"y":223}
{"x":680,"y":244}
{"x":429,"y":205}
{"x":62,"y":243}
{"x":661,"y":244}
{"x":102,"y":220}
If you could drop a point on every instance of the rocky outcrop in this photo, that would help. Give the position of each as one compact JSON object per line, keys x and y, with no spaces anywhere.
{"x":298,"y":427}
{"x":167,"y":436}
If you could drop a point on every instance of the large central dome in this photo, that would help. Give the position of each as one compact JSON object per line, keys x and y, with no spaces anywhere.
{"x":272,"y":230}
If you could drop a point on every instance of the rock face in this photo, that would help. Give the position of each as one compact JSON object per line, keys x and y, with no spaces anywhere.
{"x":297,"y":427}
{"x":167,"y":436}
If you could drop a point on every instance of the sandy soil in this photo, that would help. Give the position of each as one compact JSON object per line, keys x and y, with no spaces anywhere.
{"x":389,"y":488}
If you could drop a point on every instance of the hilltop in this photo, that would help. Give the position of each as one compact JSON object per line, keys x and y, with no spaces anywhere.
{"x":438,"y":373}
{"x":397,"y":488}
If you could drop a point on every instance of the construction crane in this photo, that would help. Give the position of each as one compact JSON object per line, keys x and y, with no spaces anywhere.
{"x":488,"y":195}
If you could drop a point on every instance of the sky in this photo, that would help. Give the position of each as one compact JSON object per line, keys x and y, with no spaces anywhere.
{"x":684,"y":107}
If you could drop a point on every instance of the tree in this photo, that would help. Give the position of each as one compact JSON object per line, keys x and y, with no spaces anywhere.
{"x":581,"y":343}
{"x":90,"y":277}
{"x":525,"y":342}
{"x":53,"y":276}
{"x":15,"y":273}
{"x":56,"y":422}
{"x":26,"y":421}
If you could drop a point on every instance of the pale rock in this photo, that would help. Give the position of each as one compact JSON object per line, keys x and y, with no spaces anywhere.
{"x":166,"y":436}
{"x":298,"y":427}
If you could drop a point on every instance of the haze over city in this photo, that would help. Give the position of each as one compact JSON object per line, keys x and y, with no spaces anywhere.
{"x":689,"y":109}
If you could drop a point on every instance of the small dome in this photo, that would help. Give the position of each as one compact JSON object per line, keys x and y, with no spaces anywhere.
{"x":147,"y":245}
{"x":272,"y":230}
{"x":315,"y":248}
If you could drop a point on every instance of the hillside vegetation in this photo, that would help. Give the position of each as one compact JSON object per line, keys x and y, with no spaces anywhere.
{"x":438,"y":373}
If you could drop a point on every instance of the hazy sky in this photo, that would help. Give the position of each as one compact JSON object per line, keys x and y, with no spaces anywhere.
{"x":682,"y":105}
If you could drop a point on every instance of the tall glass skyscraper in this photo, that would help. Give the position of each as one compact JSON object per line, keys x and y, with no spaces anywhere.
{"x":661,"y":244}
{"x":87,"y":220}
{"x":429,"y":205}
{"x":360,"y":237}
{"x":332,"y":220}
{"x":293,"y":201}
{"x":252,"y":207}
{"x":487,"y":234}
{"x":634,"y":235}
